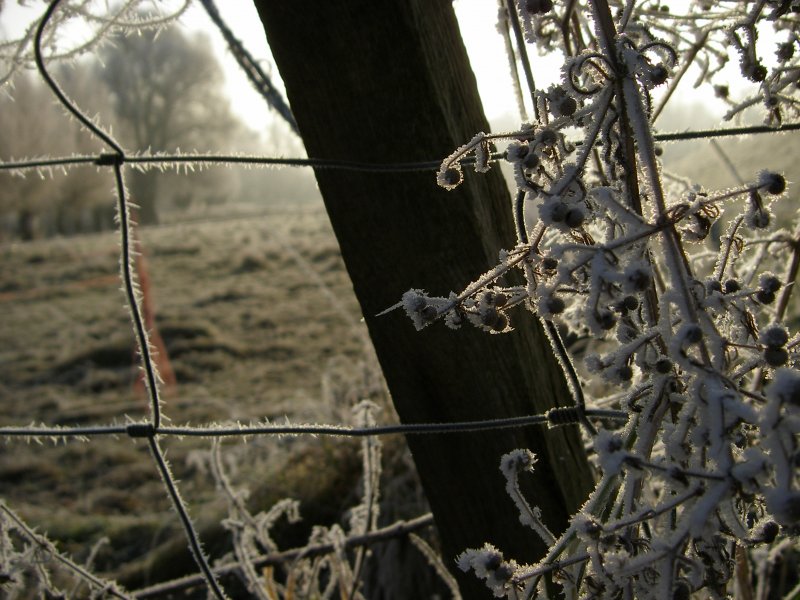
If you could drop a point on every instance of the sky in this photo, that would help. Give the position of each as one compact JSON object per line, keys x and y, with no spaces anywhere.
{"x":477,"y":19}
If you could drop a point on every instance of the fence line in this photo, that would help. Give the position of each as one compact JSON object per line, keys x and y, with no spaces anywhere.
{"x":396,"y":529}
{"x":108,"y":159}
{"x":566,"y":415}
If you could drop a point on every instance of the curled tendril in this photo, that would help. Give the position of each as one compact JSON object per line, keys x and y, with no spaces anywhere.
{"x":589,"y":66}
{"x":660,"y":47}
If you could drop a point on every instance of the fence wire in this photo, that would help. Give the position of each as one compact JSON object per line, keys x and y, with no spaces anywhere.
{"x":116,"y":158}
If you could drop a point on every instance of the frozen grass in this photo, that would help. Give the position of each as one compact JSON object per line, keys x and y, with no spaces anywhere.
{"x":259,"y":320}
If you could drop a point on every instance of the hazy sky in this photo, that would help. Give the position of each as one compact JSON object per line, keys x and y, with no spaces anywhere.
{"x":477,"y":19}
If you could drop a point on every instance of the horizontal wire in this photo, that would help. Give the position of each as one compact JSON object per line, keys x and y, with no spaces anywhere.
{"x":348,"y":165}
{"x":145,"y":430}
{"x":397,"y":529}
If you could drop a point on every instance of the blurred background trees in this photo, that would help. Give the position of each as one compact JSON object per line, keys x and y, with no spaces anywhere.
{"x":158,"y":91}
{"x":165,"y":90}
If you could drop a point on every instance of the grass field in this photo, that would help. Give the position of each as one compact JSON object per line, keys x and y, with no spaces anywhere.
{"x":259,"y":321}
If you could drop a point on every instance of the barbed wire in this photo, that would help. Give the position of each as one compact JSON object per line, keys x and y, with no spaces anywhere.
{"x":106,"y":159}
{"x":260,"y":80}
{"x":396,"y":529}
{"x":559,"y":416}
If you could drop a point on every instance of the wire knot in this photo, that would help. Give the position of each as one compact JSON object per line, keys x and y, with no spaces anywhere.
{"x":563,"y":415}
{"x":110,"y":159}
{"x":141,"y":430}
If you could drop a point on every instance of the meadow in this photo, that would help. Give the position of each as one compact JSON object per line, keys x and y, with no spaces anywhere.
{"x":259,"y":321}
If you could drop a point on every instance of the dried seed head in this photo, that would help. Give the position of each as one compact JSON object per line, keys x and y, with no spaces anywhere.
{"x":722,"y":91}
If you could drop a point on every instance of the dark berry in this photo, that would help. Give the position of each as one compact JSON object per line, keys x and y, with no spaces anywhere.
{"x":539,"y":7}
{"x":776,"y":356}
{"x":713,"y":286}
{"x":452,"y":176}
{"x":625,"y":373}
{"x":769,"y":531}
{"x":774,"y":183}
{"x":640,"y":279}
{"x":568,"y":106}
{"x":428,"y":313}
{"x":555,"y":305}
{"x":757,"y":73}
{"x":501,"y":323}
{"x":765,"y":297}
{"x":549,"y":263}
{"x":500,"y":299}
{"x":519,"y":152}
{"x":732,"y":286}
{"x":548,"y":137}
{"x":769,"y":283}
{"x":559,"y":212}
{"x":693,"y":334}
{"x":493,"y":562}
{"x":774,"y":335}
{"x":785,"y":51}
{"x":531,"y":161}
{"x":574,"y":218}
{"x":663,"y":365}
{"x":760,"y":219}
{"x":630,"y":302}
{"x":722,"y":91}
{"x":658,"y":150}
{"x":490,"y":317}
{"x":504,"y":572}
{"x":658,"y":74}
{"x":606,"y":319}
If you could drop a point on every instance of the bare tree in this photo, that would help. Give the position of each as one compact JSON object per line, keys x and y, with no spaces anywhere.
{"x":166,"y":93}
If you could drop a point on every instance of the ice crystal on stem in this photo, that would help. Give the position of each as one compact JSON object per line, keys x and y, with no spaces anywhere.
{"x":690,"y":325}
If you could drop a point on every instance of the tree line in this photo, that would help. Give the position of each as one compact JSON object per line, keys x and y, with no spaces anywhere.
{"x":159,"y":91}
